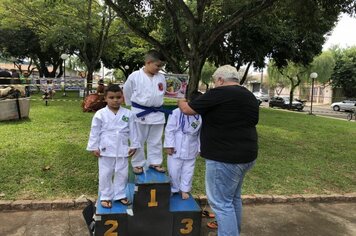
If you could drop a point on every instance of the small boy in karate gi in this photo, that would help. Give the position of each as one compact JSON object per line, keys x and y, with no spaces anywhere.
{"x":144,"y":90}
{"x":111,"y":129}
{"x":181,"y":143}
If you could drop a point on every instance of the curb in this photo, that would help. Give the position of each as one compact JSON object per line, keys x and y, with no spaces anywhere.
{"x":80,"y":203}
{"x":276,"y":199}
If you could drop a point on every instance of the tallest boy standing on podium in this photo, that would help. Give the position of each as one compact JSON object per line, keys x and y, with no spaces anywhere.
{"x":144,"y":90}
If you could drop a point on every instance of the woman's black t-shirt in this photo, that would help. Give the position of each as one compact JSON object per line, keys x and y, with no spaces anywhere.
{"x":229,"y":115}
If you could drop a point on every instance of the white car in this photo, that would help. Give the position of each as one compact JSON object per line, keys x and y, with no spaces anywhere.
{"x":261,"y":96}
{"x":346,"y":105}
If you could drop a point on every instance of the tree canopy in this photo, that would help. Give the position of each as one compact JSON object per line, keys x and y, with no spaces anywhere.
{"x":69,"y":26}
{"x":197,"y":26}
{"x":344,"y":74}
{"x":226,"y":31}
{"x":124,"y":50}
{"x":292,"y":31}
{"x":323,"y":65}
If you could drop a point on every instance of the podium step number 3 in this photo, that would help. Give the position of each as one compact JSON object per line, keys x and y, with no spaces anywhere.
{"x":154,"y":212}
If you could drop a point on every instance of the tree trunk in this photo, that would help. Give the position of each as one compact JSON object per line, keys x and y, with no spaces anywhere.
{"x":195,"y":68}
{"x":293,"y":87}
{"x":291,"y":95}
{"x":245,"y":74}
{"x":89,"y":79}
{"x":60,"y":71}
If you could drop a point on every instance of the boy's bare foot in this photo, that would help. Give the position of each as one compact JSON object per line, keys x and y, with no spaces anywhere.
{"x":185,"y":195}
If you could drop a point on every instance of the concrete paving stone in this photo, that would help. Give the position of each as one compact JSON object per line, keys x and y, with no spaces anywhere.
{"x":41,"y":205}
{"x":5,"y":205}
{"x":55,"y":223}
{"x":340,"y":198}
{"x":80,"y":203}
{"x":295,"y":198}
{"x":62,"y":204}
{"x":346,"y":218}
{"x":76,"y":226}
{"x":311,"y":198}
{"x":279,"y":199}
{"x":262,"y":198}
{"x":21,"y":205}
{"x":293,"y":219}
{"x":350,"y":197}
{"x":328,"y":198}
{"x":248,"y":199}
{"x":14,"y":223}
{"x":297,"y":219}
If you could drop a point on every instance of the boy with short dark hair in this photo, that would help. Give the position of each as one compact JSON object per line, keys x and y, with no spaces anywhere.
{"x":144,"y":90}
{"x":112,"y":128}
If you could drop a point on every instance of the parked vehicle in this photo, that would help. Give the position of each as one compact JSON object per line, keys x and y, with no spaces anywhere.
{"x":283,"y":102}
{"x":346,"y":105}
{"x":262,"y":96}
{"x":302,"y":101}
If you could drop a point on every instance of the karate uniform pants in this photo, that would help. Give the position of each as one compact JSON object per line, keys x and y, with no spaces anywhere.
{"x":181,"y":173}
{"x":152,"y":135}
{"x":113,"y":188}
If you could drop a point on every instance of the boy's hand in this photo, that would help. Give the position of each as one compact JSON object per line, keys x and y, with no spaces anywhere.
{"x":170,"y":151}
{"x":132,"y":151}
{"x":96,"y":153}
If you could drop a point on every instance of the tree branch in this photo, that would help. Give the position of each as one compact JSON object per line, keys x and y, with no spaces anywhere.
{"x":141,"y":33}
{"x":186,"y":11}
{"x":244,"y":13}
{"x":176,"y":27}
{"x":201,"y":5}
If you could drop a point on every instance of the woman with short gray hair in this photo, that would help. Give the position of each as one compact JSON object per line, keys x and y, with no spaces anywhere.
{"x":228,"y":143}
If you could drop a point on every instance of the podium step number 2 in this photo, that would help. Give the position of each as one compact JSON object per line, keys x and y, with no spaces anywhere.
{"x":154,"y":212}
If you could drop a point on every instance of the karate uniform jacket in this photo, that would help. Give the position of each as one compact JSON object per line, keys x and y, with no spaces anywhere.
{"x":182,"y":133}
{"x":111,"y":133}
{"x":145,"y":91}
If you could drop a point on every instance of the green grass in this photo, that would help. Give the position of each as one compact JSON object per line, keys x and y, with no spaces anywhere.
{"x":303,"y":154}
{"x":298,"y":154}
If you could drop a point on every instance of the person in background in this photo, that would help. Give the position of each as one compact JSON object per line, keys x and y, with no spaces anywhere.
{"x":14,"y":74}
{"x":101,"y":87}
{"x":228,"y":138}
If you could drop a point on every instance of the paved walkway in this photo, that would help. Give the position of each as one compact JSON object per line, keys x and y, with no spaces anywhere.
{"x":292,"y":219}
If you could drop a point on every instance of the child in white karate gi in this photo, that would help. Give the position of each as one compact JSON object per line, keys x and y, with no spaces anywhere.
{"x":112,"y":128}
{"x":182,"y":145}
{"x":144,"y":90}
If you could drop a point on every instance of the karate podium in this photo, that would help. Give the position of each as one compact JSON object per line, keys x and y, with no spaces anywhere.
{"x":154,"y":211}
